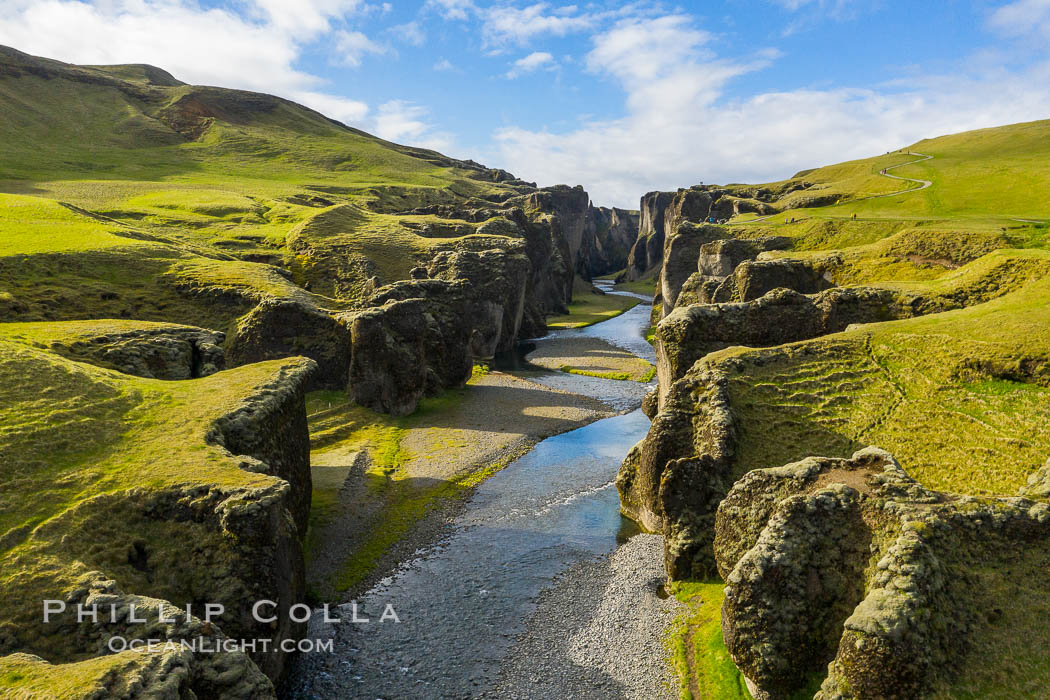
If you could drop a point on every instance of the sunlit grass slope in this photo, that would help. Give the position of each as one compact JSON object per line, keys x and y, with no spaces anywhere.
{"x":213,"y":171}
{"x":993,"y":180}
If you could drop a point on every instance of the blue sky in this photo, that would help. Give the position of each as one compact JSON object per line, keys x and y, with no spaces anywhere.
{"x":622,"y":98}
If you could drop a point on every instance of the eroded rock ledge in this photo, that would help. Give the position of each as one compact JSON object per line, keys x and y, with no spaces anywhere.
{"x":853,"y":567}
{"x":217,"y":519}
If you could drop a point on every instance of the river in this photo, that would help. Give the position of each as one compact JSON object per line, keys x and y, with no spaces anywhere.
{"x":465,"y":604}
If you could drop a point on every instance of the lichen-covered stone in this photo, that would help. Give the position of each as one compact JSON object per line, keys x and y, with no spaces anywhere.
{"x":780,"y":316}
{"x":714,"y":281}
{"x":660,"y":488}
{"x":851,"y":565}
{"x":755,"y":278}
{"x":168,"y":352}
{"x":681,"y":252}
{"x":278,"y":328}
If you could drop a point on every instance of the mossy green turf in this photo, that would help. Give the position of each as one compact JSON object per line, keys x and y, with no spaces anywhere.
{"x":946,"y":393}
{"x":990,"y":188}
{"x":1010,"y":655}
{"x":26,"y":678}
{"x":961,"y":398}
{"x":590,"y":306}
{"x":698,"y":654}
{"x":44,"y":226}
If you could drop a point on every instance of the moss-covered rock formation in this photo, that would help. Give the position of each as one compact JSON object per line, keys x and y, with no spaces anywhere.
{"x":906,"y":385}
{"x":124,"y":490}
{"x":851,"y":568}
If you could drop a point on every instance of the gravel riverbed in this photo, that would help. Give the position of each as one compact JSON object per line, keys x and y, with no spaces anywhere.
{"x":598,"y":632}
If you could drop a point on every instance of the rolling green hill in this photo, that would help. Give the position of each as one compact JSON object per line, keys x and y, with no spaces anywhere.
{"x":998,"y":174}
{"x":117,"y":180}
{"x":209,"y":170}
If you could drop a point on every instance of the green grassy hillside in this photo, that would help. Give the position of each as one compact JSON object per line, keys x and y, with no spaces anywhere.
{"x":102,"y":159}
{"x":984,"y":180}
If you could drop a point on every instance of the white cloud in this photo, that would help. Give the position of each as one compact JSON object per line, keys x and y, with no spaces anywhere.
{"x":508,"y":25}
{"x":399,"y":119}
{"x":404,"y":122}
{"x":836,"y":8}
{"x":410,"y":33}
{"x":679,"y":128}
{"x":353,"y":46}
{"x":339,"y":108}
{"x":533,"y":62}
{"x":306,"y":18}
{"x":635,"y":51}
{"x":444,"y":64}
{"x":1024,"y":17}
{"x":451,"y":9}
{"x":204,"y":46}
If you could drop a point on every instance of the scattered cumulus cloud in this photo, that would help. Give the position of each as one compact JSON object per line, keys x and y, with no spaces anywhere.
{"x":353,"y":46}
{"x":410,"y":33}
{"x":834,"y":8}
{"x":444,"y":64}
{"x":1024,"y":17}
{"x":508,"y":25}
{"x":451,"y":9}
{"x":405,"y":122}
{"x":679,"y":127}
{"x":339,"y":108}
{"x":307,"y":18}
{"x":531,"y":63}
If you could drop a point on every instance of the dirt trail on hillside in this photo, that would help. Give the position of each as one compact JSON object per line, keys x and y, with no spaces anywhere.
{"x":923,"y":184}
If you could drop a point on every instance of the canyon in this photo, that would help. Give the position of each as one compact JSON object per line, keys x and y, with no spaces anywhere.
{"x":792,"y":435}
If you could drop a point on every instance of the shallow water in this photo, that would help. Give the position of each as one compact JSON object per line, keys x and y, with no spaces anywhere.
{"x":462,"y":603}
{"x":625,"y":331}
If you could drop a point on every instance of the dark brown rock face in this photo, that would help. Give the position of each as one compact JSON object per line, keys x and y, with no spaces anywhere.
{"x":661,"y":215}
{"x":852,"y":563}
{"x":278,"y":328}
{"x":414,"y":341}
{"x":681,"y":252}
{"x":169,"y":352}
{"x":616,"y":232}
{"x":388,"y":371}
{"x":647,"y":251}
{"x":571,"y":206}
{"x":498,"y":284}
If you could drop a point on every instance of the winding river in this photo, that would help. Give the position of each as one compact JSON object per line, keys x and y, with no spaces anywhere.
{"x":463,"y":603}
